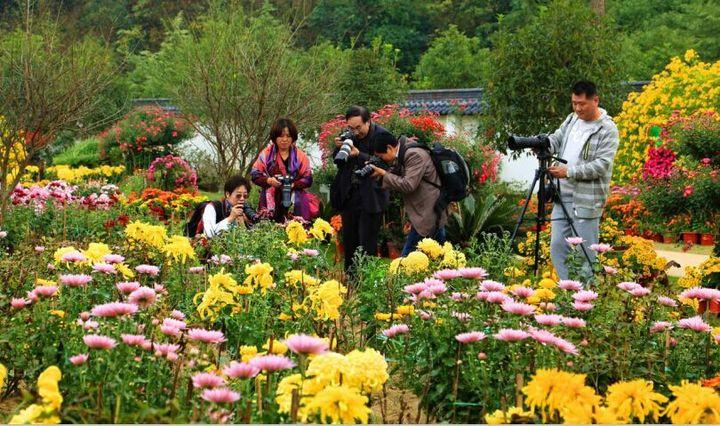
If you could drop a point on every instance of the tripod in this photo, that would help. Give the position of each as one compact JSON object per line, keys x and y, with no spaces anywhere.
{"x":545,"y":193}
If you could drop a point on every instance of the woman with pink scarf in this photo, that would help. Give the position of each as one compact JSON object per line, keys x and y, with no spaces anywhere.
{"x":283,"y":158}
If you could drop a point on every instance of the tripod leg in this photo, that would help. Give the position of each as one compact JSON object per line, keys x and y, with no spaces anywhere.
{"x":525,"y":206}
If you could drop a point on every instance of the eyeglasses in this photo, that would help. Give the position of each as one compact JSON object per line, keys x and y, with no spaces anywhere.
{"x":357,"y":128}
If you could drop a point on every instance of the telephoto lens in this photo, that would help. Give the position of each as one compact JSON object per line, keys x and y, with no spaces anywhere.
{"x":517,"y":143}
{"x":346,"y":147}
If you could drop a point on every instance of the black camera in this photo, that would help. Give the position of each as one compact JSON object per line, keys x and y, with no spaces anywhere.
{"x":250,"y":213}
{"x":367,"y":170}
{"x":540,"y":142}
{"x":287,"y":183}
{"x":346,"y":147}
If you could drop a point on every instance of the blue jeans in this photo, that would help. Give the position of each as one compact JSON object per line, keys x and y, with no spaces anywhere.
{"x":414,"y":238}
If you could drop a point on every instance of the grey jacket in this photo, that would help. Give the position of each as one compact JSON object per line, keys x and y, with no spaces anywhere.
{"x":412,"y":178}
{"x":593,"y":170}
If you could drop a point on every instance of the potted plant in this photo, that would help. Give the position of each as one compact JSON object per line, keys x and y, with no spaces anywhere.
{"x":706,"y":234}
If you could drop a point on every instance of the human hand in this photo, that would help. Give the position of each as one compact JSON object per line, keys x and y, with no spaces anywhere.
{"x":338,"y":142}
{"x":274,"y":182}
{"x":236,"y":213}
{"x":558,"y":171}
{"x":354,"y":152}
{"x":377,"y":171}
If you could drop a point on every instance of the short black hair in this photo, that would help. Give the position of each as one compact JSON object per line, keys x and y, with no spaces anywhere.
{"x":382,"y":141}
{"x":584,"y":87}
{"x":279,"y":125}
{"x":358,"y":111}
{"x":234,"y":182}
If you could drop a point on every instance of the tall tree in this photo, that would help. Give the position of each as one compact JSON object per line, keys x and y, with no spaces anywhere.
{"x":235,"y":73}
{"x":533,"y":68}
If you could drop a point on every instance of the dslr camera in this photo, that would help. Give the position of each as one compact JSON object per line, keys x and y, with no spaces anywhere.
{"x":367,"y":170}
{"x":347,"y":144}
{"x":286,"y":182}
{"x":250,"y":213}
{"x":539,"y":142}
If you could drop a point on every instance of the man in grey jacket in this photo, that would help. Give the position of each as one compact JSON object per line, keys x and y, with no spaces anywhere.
{"x":588,"y":140}
{"x":414,"y":175}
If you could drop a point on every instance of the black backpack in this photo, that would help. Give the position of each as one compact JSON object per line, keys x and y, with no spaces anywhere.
{"x":195,"y":225}
{"x":452,"y":170}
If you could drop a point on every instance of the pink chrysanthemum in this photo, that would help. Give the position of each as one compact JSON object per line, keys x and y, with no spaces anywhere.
{"x":543,"y":336}
{"x":220,"y":396}
{"x":46,"y":290}
{"x":104,"y":268}
{"x":473,"y":336}
{"x":473,"y":273}
{"x":91,"y":325}
{"x":659,"y":326}
{"x":79,"y":359}
{"x":147,"y":269}
{"x":461,"y":316}
{"x":522,"y":291}
{"x":695,"y":323}
{"x":95,"y":341}
{"x":497,"y":297}
{"x":241,"y":370}
{"x":511,"y":335}
{"x":701,"y":293}
{"x":574,"y":241}
{"x":19,"y":303}
{"x":32,"y":296}
{"x":207,"y":380}
{"x":113,"y":258}
{"x":310,"y":252}
{"x":169,"y":330}
{"x":114,"y":309}
{"x":172,"y":322}
{"x":206,"y":336}
{"x":489,"y":285}
{"x":73,"y":256}
{"x":177,"y":315}
{"x":272,"y":362}
{"x":570,"y":285}
{"x":127,"y":287}
{"x":585,"y":296}
{"x":197,"y":269}
{"x":573,"y":322}
{"x":39,"y":249}
{"x":447,"y":274}
{"x":627,"y":286}
{"x":435,"y":287}
{"x":134,"y":339}
{"x":582,"y":306}
{"x":548,"y":319}
{"x":143,"y":297}
{"x":304,"y":344}
{"x":609,"y":270}
{"x":565,"y":346}
{"x":601,"y":248}
{"x":75,"y":280}
{"x":414,"y":288}
{"x":518,"y":308}
{"x":640,"y":291}
{"x":395,"y":330}
{"x":164,"y":349}
{"x":667,"y":301}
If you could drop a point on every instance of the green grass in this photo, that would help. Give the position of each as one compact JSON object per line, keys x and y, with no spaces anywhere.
{"x":695,"y":249}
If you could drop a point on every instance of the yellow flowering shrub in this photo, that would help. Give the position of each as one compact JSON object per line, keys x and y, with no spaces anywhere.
{"x":695,"y":275}
{"x":16,"y":151}
{"x":686,"y":85}
{"x":641,"y":257}
{"x":82,"y":173}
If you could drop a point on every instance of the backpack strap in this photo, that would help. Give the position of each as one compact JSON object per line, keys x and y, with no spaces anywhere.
{"x":407,"y":145}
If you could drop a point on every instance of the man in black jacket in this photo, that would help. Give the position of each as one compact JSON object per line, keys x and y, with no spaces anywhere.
{"x":360,"y":200}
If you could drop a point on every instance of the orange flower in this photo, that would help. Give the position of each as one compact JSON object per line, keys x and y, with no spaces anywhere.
{"x":712,"y":383}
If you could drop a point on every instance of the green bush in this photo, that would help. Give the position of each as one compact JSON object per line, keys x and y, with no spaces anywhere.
{"x":81,"y":153}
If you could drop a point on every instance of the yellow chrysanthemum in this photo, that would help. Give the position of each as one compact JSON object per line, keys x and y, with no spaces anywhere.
{"x":547,"y":283}
{"x":3,"y":376}
{"x":404,"y":310}
{"x":577,"y":412}
{"x":329,"y":368}
{"x":321,"y":229}
{"x":296,"y":233}
{"x":41,"y":281}
{"x":96,"y":251}
{"x":326,"y":300}
{"x":259,"y":276}
{"x":511,"y":416}
{"x":368,"y":370}
{"x":415,"y":262}
{"x":634,"y":399}
{"x":48,"y":387}
{"x":62,"y":251}
{"x":693,"y":403}
{"x":124,"y":270}
{"x":178,"y":249}
{"x":296,"y":277}
{"x":278,"y":347}
{"x":550,"y":390}
{"x":35,"y":414}
{"x":144,"y":236}
{"x":248,"y":352}
{"x":338,"y":404}
{"x":431,"y":247}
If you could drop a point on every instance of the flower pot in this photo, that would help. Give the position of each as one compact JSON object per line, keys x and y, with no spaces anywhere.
{"x":690,"y":237}
{"x":393,"y":250}
{"x":668,"y":238}
{"x":657,"y":238}
{"x":707,"y":240}
{"x":713,"y":306}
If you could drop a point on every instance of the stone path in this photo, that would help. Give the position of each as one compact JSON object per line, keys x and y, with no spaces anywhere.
{"x":684,"y":259}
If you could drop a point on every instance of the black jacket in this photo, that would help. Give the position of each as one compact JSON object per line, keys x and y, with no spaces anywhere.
{"x":349,"y":192}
